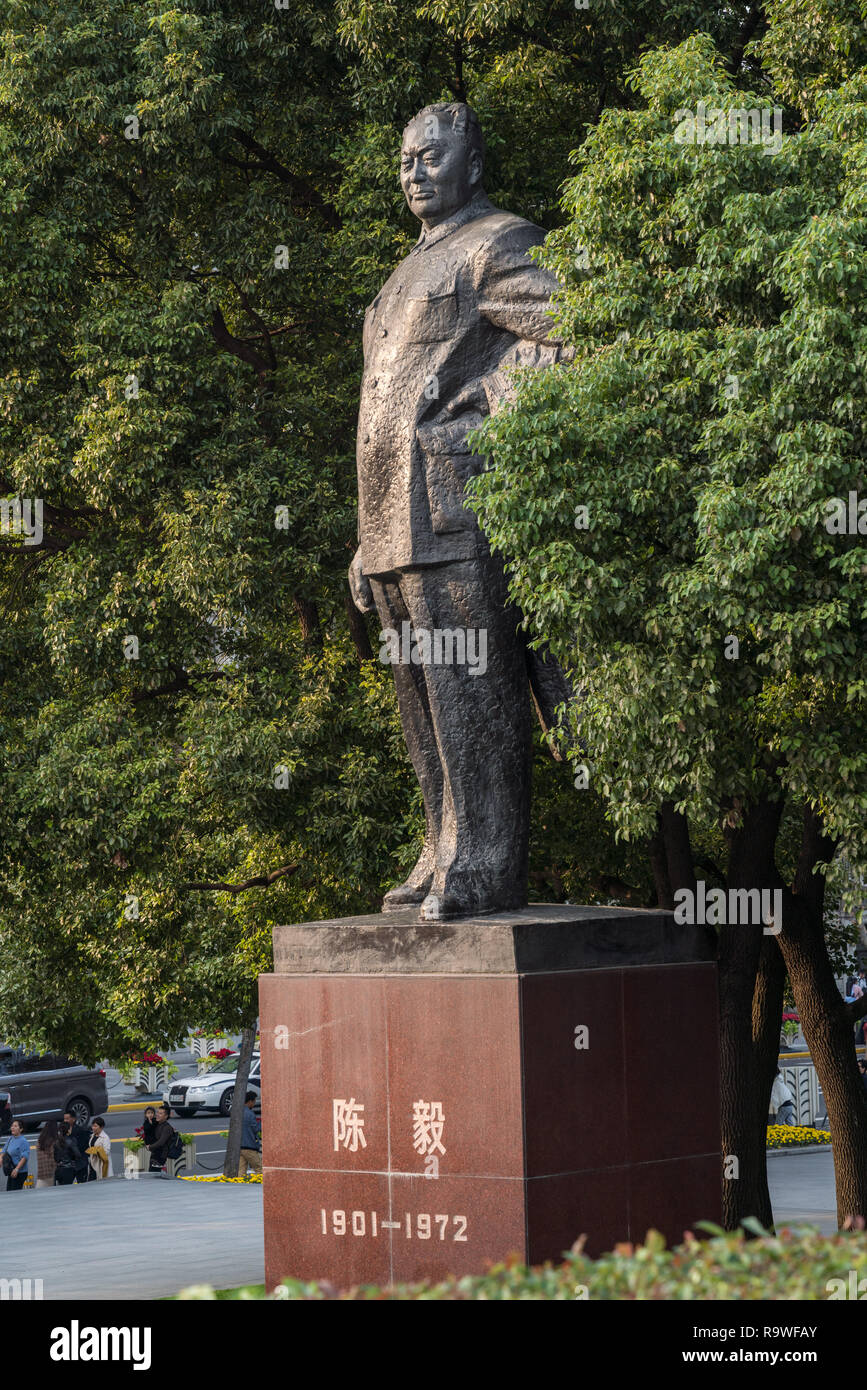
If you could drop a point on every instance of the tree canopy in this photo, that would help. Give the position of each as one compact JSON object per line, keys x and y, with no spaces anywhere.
{"x":197,"y":201}
{"x":666,"y":502}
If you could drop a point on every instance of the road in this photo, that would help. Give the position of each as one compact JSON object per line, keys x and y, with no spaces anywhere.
{"x":802,"y":1189}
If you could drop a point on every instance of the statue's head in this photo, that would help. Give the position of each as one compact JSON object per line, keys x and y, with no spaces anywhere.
{"x":441,"y":161}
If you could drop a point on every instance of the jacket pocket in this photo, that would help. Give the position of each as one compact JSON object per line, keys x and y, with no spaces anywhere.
{"x":430,"y":318}
{"x":446,"y":475}
{"x":448,"y":465}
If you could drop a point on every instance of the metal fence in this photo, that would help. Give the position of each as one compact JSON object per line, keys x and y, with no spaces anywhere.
{"x":810,"y":1107}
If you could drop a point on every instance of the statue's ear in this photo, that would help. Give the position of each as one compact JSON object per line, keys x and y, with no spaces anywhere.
{"x":476,"y":168}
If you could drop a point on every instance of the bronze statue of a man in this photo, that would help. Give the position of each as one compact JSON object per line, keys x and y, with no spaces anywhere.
{"x":463,"y":307}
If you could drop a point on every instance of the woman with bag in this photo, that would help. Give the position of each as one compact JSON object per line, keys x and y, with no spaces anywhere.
{"x":15,"y":1158}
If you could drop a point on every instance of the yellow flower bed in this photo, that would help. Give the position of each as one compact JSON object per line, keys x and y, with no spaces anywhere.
{"x":218,"y":1177}
{"x":795,"y":1136}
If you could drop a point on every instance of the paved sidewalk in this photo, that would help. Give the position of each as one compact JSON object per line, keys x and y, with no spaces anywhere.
{"x":802,"y":1189}
{"x":149,"y":1238}
{"x":132,"y":1239}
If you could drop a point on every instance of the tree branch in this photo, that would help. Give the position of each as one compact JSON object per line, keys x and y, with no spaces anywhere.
{"x":857,"y":1009}
{"x":260,"y":324}
{"x":237,"y":346}
{"x":754,"y":18}
{"x":711,"y":866}
{"x":303,"y":192}
{"x":182,"y":681}
{"x":260,"y":881}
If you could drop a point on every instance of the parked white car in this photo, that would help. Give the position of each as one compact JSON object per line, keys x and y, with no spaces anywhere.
{"x":213,"y":1090}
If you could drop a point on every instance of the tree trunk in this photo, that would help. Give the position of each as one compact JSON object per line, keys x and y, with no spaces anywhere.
{"x":308,"y":617}
{"x":825,"y":1021}
{"x":751,"y":865}
{"x":659,"y":867}
{"x":767,"y":1009}
{"x":678,"y":850}
{"x":233,"y":1143}
{"x":358,"y":630}
{"x":828,"y":1032}
{"x":745,"y":1188}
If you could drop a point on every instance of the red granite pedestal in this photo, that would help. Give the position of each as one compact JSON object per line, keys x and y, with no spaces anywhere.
{"x":437,"y":1096}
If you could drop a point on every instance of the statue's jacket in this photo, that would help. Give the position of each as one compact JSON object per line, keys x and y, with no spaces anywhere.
{"x":466,"y":305}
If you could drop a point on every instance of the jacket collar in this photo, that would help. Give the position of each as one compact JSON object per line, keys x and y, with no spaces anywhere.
{"x":478,"y":206}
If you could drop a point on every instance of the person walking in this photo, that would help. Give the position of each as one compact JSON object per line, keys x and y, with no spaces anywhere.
{"x":67,"y":1156}
{"x":46,"y":1163}
{"x":16,"y":1156}
{"x":162,"y":1138}
{"x":251,"y":1138}
{"x":81,"y":1138}
{"x":782,"y":1102}
{"x":99,"y":1149}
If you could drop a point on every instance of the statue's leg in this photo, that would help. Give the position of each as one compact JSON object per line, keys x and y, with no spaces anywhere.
{"x":415,"y":716}
{"x":481,"y":713}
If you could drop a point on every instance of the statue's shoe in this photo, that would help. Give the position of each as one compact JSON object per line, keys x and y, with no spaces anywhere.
{"x":446,"y":906}
{"x":417,"y":885}
{"x":407,"y":895}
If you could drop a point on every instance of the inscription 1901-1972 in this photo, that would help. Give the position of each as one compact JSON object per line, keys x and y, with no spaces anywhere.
{"x":418,"y":1227}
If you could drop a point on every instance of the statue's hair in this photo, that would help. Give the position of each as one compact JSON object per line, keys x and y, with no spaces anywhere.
{"x":462,"y":121}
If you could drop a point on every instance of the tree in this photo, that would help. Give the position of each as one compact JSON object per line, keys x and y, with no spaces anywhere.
{"x":714,"y":294}
{"x":197,"y":205}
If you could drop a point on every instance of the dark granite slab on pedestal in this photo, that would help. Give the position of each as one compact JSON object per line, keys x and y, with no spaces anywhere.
{"x":549,"y":936}
{"x":569,"y":1055}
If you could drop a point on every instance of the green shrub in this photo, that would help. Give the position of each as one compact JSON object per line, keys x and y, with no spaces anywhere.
{"x":799,"y":1263}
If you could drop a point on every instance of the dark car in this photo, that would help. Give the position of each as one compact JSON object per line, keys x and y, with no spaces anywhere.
{"x":41,"y":1086}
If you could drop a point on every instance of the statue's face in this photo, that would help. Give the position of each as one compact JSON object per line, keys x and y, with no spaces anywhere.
{"x":438,"y":173}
